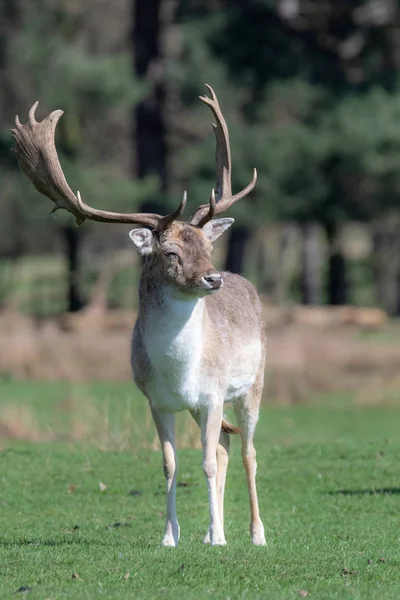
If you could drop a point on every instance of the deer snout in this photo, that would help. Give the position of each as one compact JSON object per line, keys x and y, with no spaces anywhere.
{"x":213,"y":281}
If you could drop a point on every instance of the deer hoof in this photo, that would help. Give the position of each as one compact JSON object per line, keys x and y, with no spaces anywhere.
{"x":169,"y":542}
{"x":258,"y":537}
{"x":219,"y":542}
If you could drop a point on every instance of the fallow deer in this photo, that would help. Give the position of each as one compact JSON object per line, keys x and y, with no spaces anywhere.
{"x":192,"y":348}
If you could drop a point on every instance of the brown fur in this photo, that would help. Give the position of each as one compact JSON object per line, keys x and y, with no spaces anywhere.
{"x":226,"y":344}
{"x":232,"y":314}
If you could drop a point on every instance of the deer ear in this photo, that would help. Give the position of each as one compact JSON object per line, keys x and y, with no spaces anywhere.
{"x":143,"y":240}
{"x":213,"y":229}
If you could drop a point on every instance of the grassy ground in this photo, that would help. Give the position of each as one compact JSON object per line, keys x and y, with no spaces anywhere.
{"x":329,"y":487}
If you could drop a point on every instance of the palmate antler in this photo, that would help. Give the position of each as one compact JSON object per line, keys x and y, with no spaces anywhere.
{"x":223,"y":199}
{"x":37,"y":156}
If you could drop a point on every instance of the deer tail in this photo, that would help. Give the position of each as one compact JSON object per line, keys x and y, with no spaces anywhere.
{"x":227,"y":427}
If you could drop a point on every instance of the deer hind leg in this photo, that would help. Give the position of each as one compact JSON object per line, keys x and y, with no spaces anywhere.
{"x":165,"y":424}
{"x":247,"y":416}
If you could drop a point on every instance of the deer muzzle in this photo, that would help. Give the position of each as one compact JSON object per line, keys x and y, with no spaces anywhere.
{"x":212,"y":281}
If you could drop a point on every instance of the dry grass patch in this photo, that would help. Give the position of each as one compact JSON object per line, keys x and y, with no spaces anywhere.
{"x":303,"y":359}
{"x":123,"y":425}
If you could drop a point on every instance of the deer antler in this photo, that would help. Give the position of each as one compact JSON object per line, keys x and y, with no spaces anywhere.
{"x":37,"y":156}
{"x":224,"y":198}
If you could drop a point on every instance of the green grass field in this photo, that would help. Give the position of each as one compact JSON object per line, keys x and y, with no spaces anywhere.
{"x":329,"y":487}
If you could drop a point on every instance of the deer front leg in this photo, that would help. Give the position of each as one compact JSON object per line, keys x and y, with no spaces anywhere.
{"x":222,"y":466}
{"x":210,"y":423}
{"x":165,"y":423}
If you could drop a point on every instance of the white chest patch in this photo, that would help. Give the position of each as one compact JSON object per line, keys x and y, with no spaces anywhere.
{"x":174,"y":344}
{"x":173,"y":340}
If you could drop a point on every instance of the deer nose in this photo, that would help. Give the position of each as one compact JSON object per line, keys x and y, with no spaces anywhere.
{"x":214,"y":280}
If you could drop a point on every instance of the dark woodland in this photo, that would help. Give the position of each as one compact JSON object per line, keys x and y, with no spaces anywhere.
{"x":310,"y":91}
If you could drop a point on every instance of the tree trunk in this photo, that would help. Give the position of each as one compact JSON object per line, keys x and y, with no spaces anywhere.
{"x":236,"y":251}
{"x":97,"y":303}
{"x":337,"y":287}
{"x":311,"y":268}
{"x":282,"y":274}
{"x":263,"y":261}
{"x":386,"y":263}
{"x":337,"y":280}
{"x":72,"y":252}
{"x":150,"y":130}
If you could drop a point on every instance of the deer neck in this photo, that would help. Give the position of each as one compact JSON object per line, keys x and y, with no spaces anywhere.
{"x":171,"y":322}
{"x":172,"y":333}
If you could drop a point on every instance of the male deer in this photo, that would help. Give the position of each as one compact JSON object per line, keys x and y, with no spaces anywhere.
{"x":192,"y":348}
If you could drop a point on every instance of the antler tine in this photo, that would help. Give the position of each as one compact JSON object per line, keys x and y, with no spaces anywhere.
{"x":223,"y":149}
{"x":32,"y":114}
{"x":37,"y":156}
{"x":165,"y":222}
{"x":211,"y":210}
{"x":223,"y":168}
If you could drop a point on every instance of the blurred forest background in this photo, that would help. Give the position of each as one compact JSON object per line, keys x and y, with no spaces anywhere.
{"x":311,"y":93}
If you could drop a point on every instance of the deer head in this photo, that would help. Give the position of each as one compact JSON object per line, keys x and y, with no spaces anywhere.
{"x":181,"y":255}
{"x":181,"y":251}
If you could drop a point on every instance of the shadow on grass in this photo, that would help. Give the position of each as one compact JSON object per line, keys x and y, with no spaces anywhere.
{"x":366,"y":492}
{"x":57,"y":542}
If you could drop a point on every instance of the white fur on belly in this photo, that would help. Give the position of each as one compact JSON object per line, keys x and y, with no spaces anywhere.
{"x":244,"y":368}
